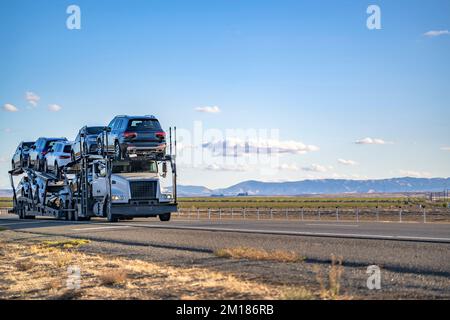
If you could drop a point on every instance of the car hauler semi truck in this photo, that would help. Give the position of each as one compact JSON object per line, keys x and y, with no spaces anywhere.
{"x":99,"y":186}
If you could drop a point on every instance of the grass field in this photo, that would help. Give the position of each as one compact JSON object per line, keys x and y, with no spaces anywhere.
{"x":306,"y":202}
{"x":295,"y":202}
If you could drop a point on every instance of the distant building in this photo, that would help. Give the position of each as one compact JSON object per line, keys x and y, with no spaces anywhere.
{"x":217,"y":195}
{"x":242,"y":194}
{"x":440,"y":196}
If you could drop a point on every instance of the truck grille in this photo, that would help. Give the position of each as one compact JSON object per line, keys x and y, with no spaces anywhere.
{"x":142,"y":190}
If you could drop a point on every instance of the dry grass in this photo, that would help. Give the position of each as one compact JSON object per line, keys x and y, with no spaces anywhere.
{"x":113,"y":277}
{"x":259,"y":254}
{"x":65,"y":244}
{"x":45,"y":275}
{"x":24,"y":265}
{"x":299,"y":293}
{"x":3,"y":228}
{"x":332,"y":290}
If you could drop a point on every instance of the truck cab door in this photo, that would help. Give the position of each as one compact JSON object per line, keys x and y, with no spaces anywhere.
{"x":99,"y":180}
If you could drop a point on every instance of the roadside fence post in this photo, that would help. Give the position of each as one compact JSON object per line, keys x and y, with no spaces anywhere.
{"x":357,"y":214}
{"x":244,"y":212}
{"x":232,"y":211}
{"x":400,"y":214}
{"x":287,"y":216}
{"x":318,"y":211}
{"x":271,"y":214}
{"x":378,"y":214}
{"x":209,"y":213}
{"x":198,"y":214}
{"x":257,"y":213}
{"x":337,"y":213}
{"x":220,"y":213}
{"x":424,"y":215}
{"x":302,"y":214}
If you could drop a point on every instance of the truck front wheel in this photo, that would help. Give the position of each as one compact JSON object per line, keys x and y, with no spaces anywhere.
{"x":164,"y":217}
{"x":109,"y":215}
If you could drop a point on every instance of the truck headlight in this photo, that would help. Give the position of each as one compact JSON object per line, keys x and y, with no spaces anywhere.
{"x":116,"y":197}
{"x":166,"y":196}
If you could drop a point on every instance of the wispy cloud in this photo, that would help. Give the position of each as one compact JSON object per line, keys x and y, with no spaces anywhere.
{"x":288,"y":167}
{"x":7,"y":130}
{"x":224,"y":168}
{"x":445,"y":148}
{"x":208,"y":109}
{"x":237,"y":146}
{"x":315,"y":168}
{"x":371,"y":141}
{"x":415,"y":174}
{"x":347,"y":162}
{"x":436,"y":33}
{"x":54,"y":107}
{"x":32,"y":98}
{"x":10,"y":108}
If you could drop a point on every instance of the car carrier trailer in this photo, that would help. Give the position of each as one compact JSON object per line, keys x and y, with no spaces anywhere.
{"x":99,"y":186}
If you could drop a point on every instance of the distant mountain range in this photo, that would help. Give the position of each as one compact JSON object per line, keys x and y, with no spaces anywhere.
{"x":323,"y":186}
{"x":311,"y":187}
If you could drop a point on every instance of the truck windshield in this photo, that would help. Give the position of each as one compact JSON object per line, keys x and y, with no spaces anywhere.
{"x":135,"y":167}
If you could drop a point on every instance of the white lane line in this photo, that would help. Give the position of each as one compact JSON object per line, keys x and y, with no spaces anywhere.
{"x":331,"y":225}
{"x":297,"y":233}
{"x":100,"y":228}
{"x":23,"y":223}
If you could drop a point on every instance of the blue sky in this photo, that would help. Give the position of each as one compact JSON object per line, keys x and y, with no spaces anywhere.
{"x":311,"y":69}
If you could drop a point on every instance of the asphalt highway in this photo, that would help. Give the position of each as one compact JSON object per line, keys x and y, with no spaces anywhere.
{"x":414,"y":257}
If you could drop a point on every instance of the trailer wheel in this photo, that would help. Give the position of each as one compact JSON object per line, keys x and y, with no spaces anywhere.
{"x":117,"y":151}
{"x":164,"y":217}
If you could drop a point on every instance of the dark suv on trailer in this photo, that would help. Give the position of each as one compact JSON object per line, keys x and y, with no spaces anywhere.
{"x":38,"y":151}
{"x":87,"y":139}
{"x":20,"y":157}
{"x":134,"y":136}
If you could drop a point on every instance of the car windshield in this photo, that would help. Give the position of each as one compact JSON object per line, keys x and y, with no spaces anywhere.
{"x":143,"y":125}
{"x":27,"y":145}
{"x":50,"y":144}
{"x":135,"y":167}
{"x":94,"y":130}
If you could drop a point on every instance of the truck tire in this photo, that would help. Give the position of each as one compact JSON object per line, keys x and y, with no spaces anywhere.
{"x":111,"y":217}
{"x":164,"y":217}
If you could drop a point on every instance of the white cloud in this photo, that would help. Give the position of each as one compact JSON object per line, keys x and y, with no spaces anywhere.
{"x":436,"y":33}
{"x":32,"y":98}
{"x":445,"y":148}
{"x":3,"y":160}
{"x":237,"y":146}
{"x":7,"y":130}
{"x":371,"y":141}
{"x":288,"y":167}
{"x":217,"y":167}
{"x":415,"y":174}
{"x":347,"y":162}
{"x":10,"y":108}
{"x":54,"y":108}
{"x":207,"y":109}
{"x":315,"y":168}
